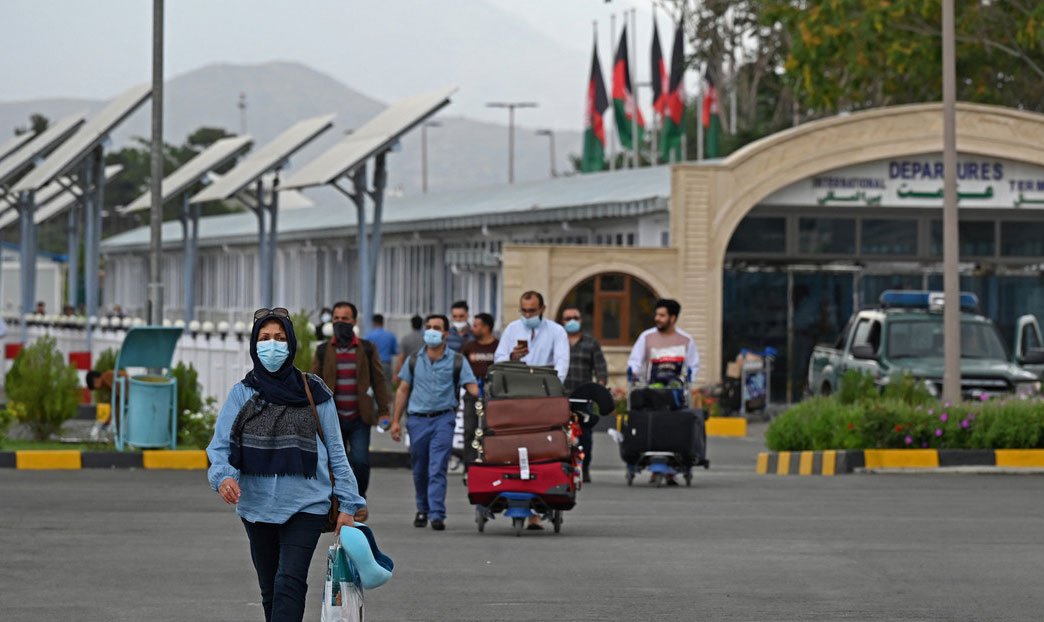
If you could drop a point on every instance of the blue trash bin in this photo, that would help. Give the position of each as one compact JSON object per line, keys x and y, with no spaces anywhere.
{"x":145,"y":406}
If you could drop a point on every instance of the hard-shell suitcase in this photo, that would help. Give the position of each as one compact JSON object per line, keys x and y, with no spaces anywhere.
{"x":526,"y":414}
{"x":513,"y":379}
{"x":544,"y":446}
{"x":661,"y":430}
{"x":554,"y":482}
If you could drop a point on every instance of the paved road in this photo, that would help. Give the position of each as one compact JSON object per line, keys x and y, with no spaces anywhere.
{"x":157,"y":546}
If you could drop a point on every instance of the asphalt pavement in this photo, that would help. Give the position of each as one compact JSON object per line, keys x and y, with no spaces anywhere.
{"x":158,"y":546}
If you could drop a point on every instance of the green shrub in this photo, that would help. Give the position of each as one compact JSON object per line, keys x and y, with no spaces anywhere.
{"x":305,"y":341}
{"x":5,"y":423}
{"x":190,"y":392}
{"x":45,"y":385}
{"x":106,"y":361}
{"x":909,"y":390}
{"x":857,"y":386}
{"x":196,"y":414}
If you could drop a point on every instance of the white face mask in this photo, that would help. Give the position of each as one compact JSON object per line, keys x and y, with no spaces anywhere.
{"x":459,"y":325}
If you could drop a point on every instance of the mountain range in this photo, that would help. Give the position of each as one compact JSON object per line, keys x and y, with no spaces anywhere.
{"x":462,"y":153}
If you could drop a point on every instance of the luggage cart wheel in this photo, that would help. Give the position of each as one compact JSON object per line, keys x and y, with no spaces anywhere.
{"x":519,"y":524}
{"x":556,"y":519}
{"x":480,"y":520}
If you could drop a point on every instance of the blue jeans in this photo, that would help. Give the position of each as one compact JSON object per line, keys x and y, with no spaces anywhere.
{"x":281,"y":555}
{"x":356,"y":436}
{"x":431,"y":441}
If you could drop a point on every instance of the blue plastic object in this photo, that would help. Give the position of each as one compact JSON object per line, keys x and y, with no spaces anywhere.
{"x":518,"y":504}
{"x":661,"y":467}
{"x":145,"y":407}
{"x":920,"y":299}
{"x":373,"y":567}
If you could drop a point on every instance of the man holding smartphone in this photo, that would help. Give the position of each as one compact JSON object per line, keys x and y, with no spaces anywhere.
{"x":534,"y":339}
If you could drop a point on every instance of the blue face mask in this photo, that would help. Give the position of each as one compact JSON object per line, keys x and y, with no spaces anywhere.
{"x":433,"y":338}
{"x":532,"y":322}
{"x":273,"y":353}
{"x":572,"y":326}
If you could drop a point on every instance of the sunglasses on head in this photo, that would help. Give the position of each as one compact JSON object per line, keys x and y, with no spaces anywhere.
{"x":277,"y":312}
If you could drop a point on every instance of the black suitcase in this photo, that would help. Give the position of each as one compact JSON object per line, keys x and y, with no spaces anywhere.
{"x":508,"y":380}
{"x":675,"y":431}
{"x":657,"y":399}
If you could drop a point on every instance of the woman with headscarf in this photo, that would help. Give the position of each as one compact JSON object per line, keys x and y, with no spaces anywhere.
{"x":272,"y":456}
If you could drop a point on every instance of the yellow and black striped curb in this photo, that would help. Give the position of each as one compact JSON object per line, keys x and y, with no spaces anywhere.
{"x":186,"y":459}
{"x":842,"y":462}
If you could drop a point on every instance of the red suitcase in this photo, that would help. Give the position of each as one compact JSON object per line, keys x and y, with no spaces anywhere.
{"x":546,"y":446}
{"x":554,"y":482}
{"x":526,"y":414}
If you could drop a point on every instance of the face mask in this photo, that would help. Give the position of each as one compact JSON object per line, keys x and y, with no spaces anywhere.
{"x":273,"y":353}
{"x":572,"y":326}
{"x":433,"y":338}
{"x":460,"y":326}
{"x":344,"y":332}
{"x":326,"y":317}
{"x":532,"y":322}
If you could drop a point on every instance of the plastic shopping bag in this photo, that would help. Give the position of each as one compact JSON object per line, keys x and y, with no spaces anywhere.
{"x":342,"y":596}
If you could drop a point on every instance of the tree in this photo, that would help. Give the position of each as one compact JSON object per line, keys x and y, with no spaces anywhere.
{"x":38,"y":123}
{"x":853,"y":54}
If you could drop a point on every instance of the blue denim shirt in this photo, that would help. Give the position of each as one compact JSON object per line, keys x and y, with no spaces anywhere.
{"x":275,"y":499}
{"x":433,"y":389}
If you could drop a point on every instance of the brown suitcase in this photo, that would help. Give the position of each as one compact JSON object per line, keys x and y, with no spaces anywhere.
{"x":526,"y":414}
{"x":546,"y":446}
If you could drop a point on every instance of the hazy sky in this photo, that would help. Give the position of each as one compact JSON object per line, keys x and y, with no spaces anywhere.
{"x":491,"y":49}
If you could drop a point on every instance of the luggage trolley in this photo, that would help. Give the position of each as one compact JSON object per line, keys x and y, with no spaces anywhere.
{"x":525,"y":495}
{"x":666,"y":451}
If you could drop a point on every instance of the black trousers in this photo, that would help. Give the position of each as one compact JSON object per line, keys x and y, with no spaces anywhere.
{"x":587,"y":443}
{"x":281,"y":554}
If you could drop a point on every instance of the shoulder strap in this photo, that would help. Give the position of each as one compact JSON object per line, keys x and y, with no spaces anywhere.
{"x":412,"y":364}
{"x":318,"y":425}
{"x":320,"y":352}
{"x":458,"y":364}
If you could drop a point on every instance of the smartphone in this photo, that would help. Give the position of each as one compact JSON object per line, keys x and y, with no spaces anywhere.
{"x":522,"y":343}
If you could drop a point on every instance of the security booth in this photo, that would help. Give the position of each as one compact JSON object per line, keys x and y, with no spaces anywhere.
{"x":145,"y":404}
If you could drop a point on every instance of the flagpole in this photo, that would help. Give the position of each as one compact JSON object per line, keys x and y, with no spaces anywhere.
{"x":611,"y":135}
{"x":656,"y":121}
{"x":632,"y":66}
{"x":699,"y":124}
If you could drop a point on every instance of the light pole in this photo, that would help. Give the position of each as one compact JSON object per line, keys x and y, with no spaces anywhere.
{"x":511,"y":130}
{"x":242,"y":105}
{"x":551,"y":137}
{"x":424,"y":153}
{"x":155,"y":287}
{"x":951,"y":278}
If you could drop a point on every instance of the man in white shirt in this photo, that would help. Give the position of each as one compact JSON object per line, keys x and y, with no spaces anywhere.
{"x":664,"y":352}
{"x":533,"y":339}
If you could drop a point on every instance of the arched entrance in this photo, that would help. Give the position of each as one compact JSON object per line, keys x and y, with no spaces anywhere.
{"x":709,"y":200}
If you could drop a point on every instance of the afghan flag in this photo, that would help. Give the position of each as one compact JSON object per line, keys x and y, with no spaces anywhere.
{"x":660,"y":79}
{"x":624,"y":105}
{"x":711,"y":120}
{"x":674,"y":102}
{"x":594,"y":118}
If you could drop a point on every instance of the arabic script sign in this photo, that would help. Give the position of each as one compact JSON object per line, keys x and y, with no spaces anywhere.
{"x":917,"y":181}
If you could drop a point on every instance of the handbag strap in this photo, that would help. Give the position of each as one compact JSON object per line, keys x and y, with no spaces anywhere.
{"x":318,"y":426}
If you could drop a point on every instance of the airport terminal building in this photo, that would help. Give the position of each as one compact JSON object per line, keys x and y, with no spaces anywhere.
{"x":775,"y":245}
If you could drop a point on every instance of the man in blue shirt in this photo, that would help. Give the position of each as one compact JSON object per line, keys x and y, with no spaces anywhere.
{"x":387,"y":344}
{"x":429,"y":384}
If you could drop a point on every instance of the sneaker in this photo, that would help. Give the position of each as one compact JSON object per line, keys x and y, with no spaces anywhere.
{"x":454,"y":463}
{"x":587,"y":478}
{"x":438,"y":525}
{"x":420,"y":520}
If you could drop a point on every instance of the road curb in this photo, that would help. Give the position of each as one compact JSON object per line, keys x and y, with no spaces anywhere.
{"x":163,"y":459}
{"x":726,"y":426}
{"x":907,"y":460}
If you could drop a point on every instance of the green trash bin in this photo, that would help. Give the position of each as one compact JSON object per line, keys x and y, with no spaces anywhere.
{"x":145,"y":406}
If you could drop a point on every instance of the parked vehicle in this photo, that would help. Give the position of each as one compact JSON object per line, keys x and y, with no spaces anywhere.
{"x":904,"y":335}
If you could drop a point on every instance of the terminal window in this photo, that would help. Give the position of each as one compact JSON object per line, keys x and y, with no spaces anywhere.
{"x":1022,"y":239}
{"x":826,"y":236}
{"x":759,"y":235}
{"x":976,"y":238}
{"x":889,"y":237}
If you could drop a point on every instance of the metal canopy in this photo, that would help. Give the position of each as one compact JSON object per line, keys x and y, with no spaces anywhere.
{"x":348,"y":159}
{"x":66,"y":157}
{"x":374,"y":136}
{"x":37,"y":147}
{"x":54,"y":199}
{"x":265,"y":159}
{"x":214,"y":156}
{"x":14,"y":143}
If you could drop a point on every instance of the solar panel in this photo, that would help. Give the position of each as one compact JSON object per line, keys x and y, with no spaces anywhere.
{"x":90,"y":135}
{"x":195,"y":169}
{"x":52,"y":200}
{"x":264,"y":159}
{"x":374,"y":136}
{"x":14,"y":143}
{"x":47,"y":140}
{"x":288,"y":199}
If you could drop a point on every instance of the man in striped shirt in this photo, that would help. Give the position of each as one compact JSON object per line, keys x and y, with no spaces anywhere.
{"x":352,"y":368}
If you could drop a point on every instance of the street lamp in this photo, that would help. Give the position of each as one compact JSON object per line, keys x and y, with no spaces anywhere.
{"x":511,"y":130}
{"x":551,"y":136}
{"x":424,"y":153}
